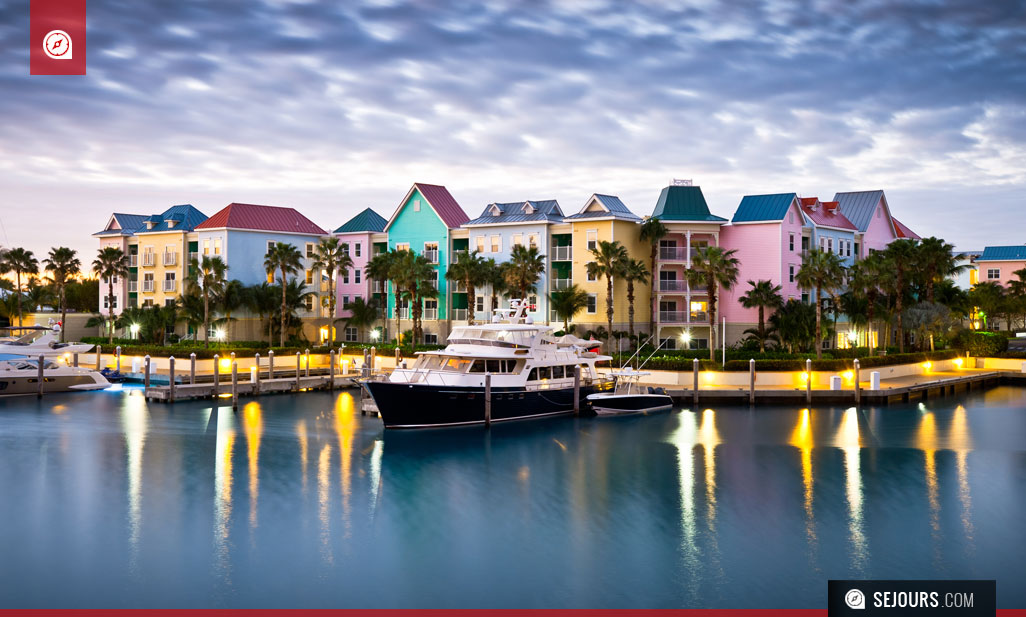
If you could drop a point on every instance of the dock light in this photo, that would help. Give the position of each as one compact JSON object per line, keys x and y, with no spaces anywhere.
{"x":927,"y":365}
{"x":804,"y":376}
{"x":853,"y":337}
{"x":134,"y":328}
{"x":849,"y":375}
{"x":959,"y":362}
{"x":225,"y":364}
{"x":375,"y":335}
{"x":685,"y":337}
{"x":219,"y":334}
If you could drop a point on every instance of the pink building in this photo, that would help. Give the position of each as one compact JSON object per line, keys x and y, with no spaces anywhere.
{"x":997,"y":264}
{"x":362,"y":237}
{"x":870,"y":213}
{"x":766,"y":233}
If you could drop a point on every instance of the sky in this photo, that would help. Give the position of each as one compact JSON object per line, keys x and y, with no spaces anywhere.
{"x":332,"y":107}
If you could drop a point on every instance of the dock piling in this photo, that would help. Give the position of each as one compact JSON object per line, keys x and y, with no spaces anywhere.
{"x":40,"y":380}
{"x":306,"y":354}
{"x":117,"y":358}
{"x":488,"y":400}
{"x":74,"y":359}
{"x":146,"y":372}
{"x":577,"y":389}
{"x":373,"y":353}
{"x":235,"y":385}
{"x":217,"y":374}
{"x":808,"y":382}
{"x":256,"y":374}
{"x":171,"y":379}
{"x":751,"y":381}
{"x":99,"y":350}
{"x":858,"y":390}
{"x":297,"y":371}
{"x":270,"y":364}
{"x":331,"y":378}
{"x":192,"y":368}
{"x":694,"y":392}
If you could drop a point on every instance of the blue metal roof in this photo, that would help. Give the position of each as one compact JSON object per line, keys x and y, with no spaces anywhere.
{"x":185,"y":216}
{"x":128,"y":223}
{"x":1003,"y":253}
{"x":368,"y":220}
{"x":859,"y":206}
{"x":545,"y":211}
{"x":768,"y":208}
{"x":614,"y":208}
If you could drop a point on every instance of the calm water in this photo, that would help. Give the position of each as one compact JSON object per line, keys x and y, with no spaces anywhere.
{"x":106,"y":501}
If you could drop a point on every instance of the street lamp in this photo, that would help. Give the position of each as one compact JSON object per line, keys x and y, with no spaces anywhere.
{"x":375,"y":335}
{"x":219,"y":334}
{"x":685,"y":337}
{"x":134,"y":328}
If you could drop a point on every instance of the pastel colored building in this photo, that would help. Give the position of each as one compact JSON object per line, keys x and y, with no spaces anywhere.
{"x":766,"y":235}
{"x":828,"y":230}
{"x":502,"y":226}
{"x":359,"y":237}
{"x":161,"y":248}
{"x":871,"y":215}
{"x":970,"y":273}
{"x":425,"y":222}
{"x":241,"y":234}
{"x":998,"y":264}
{"x":118,"y":233}
{"x":681,"y":309}
{"x":605,"y":218}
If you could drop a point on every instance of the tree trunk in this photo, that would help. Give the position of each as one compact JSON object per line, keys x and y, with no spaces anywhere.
{"x":630,"y":309}
{"x":64,"y":312}
{"x":609,"y":309}
{"x":206,"y":317}
{"x":762,"y":330}
{"x":17,"y":293}
{"x":819,"y":324}
{"x":711,"y":285}
{"x":652,"y":295}
{"x":398,"y":317}
{"x":471,"y":301}
{"x":331,"y":308}
{"x":110,"y":309}
{"x":282,"y":334}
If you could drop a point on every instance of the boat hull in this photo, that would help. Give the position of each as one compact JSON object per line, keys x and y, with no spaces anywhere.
{"x":422,"y":406}
{"x":619,"y":405}
{"x":12,"y":386}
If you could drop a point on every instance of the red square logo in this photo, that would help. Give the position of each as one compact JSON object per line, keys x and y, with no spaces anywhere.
{"x":57,"y":34}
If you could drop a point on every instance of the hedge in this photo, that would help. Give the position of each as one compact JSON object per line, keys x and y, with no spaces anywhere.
{"x":980,"y":344}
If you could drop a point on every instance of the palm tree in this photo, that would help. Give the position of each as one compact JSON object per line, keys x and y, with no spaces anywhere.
{"x":380,"y":268}
{"x":795,"y":324}
{"x":495,"y":278}
{"x":192,"y":309}
{"x":231,"y":299}
{"x":988,"y":298}
{"x":286,"y":259}
{"x":110,"y":262}
{"x":820,"y":271}
{"x":38,"y":295}
{"x":295,"y":301}
{"x":62,"y":264}
{"x":864,"y":280}
{"x":469,"y":269}
{"x":20,"y":261}
{"x":652,"y":231}
{"x":762,"y":295}
{"x":899,"y":258}
{"x":632,"y":271}
{"x":713,"y":268}
{"x":362,"y":314}
{"x":606,"y":259}
{"x":526,"y":264}
{"x":937,"y":261}
{"x":567,"y":303}
{"x":418,"y":280}
{"x":329,"y":255}
{"x":207,"y":276}
{"x":262,"y":299}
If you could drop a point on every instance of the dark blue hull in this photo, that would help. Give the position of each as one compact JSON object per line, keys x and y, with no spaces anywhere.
{"x":421,"y":406}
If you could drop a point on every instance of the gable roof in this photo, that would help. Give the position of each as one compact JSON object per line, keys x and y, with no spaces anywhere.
{"x":440,"y":200}
{"x":368,"y":220}
{"x":126,"y":224}
{"x":825,"y":214}
{"x":859,"y":206}
{"x":185,"y":218}
{"x":608,"y":206}
{"x":261,"y":218}
{"x":543,"y":211}
{"x":763,"y":208}
{"x":684,"y":203}
{"x":1003,"y":253}
{"x":904,"y":232}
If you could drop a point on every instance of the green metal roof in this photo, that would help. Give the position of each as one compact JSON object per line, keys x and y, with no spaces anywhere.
{"x":684,"y":203}
{"x":368,"y":220}
{"x":769,"y":208}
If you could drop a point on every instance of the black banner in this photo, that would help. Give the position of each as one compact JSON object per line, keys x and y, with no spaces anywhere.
{"x":911,"y":598}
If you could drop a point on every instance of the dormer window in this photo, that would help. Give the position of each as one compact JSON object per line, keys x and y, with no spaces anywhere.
{"x":495,"y":211}
{"x":529,"y":209}
{"x":149,"y":224}
{"x":171,"y":223}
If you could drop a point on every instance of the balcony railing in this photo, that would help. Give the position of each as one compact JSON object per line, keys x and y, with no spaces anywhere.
{"x":133,"y":261}
{"x":147,"y":286}
{"x":169,"y":285}
{"x":562,"y":283}
{"x":670,"y":285}
{"x":432,"y":255}
{"x":699,"y":317}
{"x":133,"y":286}
{"x":170,"y":259}
{"x":671,"y":253}
{"x":561,"y":253}
{"x":672,"y":317}
{"x":149,"y":259}
{"x":431,"y":313}
{"x":459,"y":314}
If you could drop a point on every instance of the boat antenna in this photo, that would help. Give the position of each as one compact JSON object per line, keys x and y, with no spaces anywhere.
{"x":622,"y":364}
{"x":652,"y":354}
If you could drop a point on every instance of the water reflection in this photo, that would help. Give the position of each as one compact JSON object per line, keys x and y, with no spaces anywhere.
{"x":345,"y":426}
{"x":304,"y":450}
{"x":683,"y":439}
{"x":324,"y":501}
{"x":849,"y":440}
{"x":375,"y":474}
{"x":225,"y":445}
{"x":801,"y":438}
{"x":134,"y":422}
{"x":253,"y":425}
{"x":926,"y":440}
{"x":963,"y":444}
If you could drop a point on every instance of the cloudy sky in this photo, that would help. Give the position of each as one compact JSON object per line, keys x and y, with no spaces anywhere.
{"x":333,"y":107}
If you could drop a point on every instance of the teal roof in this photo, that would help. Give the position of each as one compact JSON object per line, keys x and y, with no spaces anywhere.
{"x":1003,"y":253}
{"x":684,"y":203}
{"x":763,"y":208}
{"x":368,"y":220}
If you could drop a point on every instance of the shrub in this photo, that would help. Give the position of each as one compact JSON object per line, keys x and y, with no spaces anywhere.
{"x":980,"y":344}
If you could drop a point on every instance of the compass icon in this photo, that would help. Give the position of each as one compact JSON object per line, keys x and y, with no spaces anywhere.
{"x":57,"y":45}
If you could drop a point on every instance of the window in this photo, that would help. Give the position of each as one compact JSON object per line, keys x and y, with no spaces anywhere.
{"x":431,"y":251}
{"x":668,"y":343}
{"x":309,"y":277}
{"x":270,"y":245}
{"x":356,"y":276}
{"x":496,"y":243}
{"x":107,"y":298}
{"x":480,"y":244}
{"x":169,"y":302}
{"x":147,"y":303}
{"x":791,"y":242}
{"x":345,"y":248}
{"x":480,"y":304}
{"x":402,"y":246}
{"x":518,"y":240}
{"x":532,"y":240}
{"x":206,"y":246}
{"x":592,"y":304}
{"x":592,"y":276}
{"x":848,"y":243}
{"x":309,"y":302}
{"x":430,"y":339}
{"x":592,"y":236}
{"x":430,"y":309}
{"x":879,"y":212}
{"x":856,"y":249}
{"x":416,"y":205}
{"x":345,"y":277}
{"x":345,"y":301}
{"x":790,"y":217}
{"x":805,"y":297}
{"x":351,"y":335}
{"x":217,"y":246}
{"x":993,"y":273}
{"x":357,"y":249}
{"x":309,"y":249}
{"x":790,"y":274}
{"x":532,"y":301}
{"x":830,"y":245}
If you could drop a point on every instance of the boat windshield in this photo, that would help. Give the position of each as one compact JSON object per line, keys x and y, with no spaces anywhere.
{"x":30,"y":338}
{"x":492,"y":336}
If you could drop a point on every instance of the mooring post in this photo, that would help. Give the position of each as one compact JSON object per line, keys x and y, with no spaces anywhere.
{"x":751,"y":381}
{"x":808,"y":382}
{"x":171,"y":379}
{"x":74,"y":359}
{"x":577,"y":389}
{"x":117,"y":358}
{"x":373,"y":353}
{"x":307,"y":356}
{"x":99,"y":350}
{"x":146,"y":373}
{"x":858,"y":391}
{"x":235,"y":385}
{"x":331,"y":382}
{"x":297,"y":371}
{"x":488,"y":400}
{"x":256,"y":375}
{"x":694,"y":391}
{"x":40,"y":380}
{"x":270,"y":364}
{"x":192,"y":368}
{"x":397,"y":355}
{"x":217,"y":374}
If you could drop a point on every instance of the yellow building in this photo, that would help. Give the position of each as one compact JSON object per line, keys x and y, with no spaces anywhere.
{"x":159,"y":253}
{"x":606,"y":218}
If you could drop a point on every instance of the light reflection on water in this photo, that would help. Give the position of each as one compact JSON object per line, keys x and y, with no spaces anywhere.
{"x":123,"y":503}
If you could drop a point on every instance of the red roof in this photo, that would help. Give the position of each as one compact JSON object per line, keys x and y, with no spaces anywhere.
{"x":809,"y":201}
{"x":262,"y":218}
{"x":904,"y":232}
{"x":829,"y":215}
{"x":444,"y":205}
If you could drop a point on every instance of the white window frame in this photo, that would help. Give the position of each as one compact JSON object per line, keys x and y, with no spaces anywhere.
{"x":591,"y":238}
{"x":790,"y":273}
{"x":416,"y":205}
{"x":480,"y":243}
{"x":993,"y":274}
{"x":356,"y":249}
{"x":217,"y":246}
{"x":310,"y":250}
{"x":270,"y":245}
{"x":592,"y":300}
{"x":495,"y":243}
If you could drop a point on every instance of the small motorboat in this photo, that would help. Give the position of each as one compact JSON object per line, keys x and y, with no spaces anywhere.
{"x":630,"y":397}
{"x":35,"y":341}
{"x":20,"y":375}
{"x":112,"y":375}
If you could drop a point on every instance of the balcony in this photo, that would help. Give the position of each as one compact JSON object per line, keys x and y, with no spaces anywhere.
{"x":169,"y":284}
{"x":676,"y":253}
{"x":432,"y":255}
{"x":431,"y":314}
{"x":562,"y":283}
{"x":133,"y":286}
{"x":149,"y":260}
{"x":133,"y":261}
{"x":561,"y":253}
{"x":699,"y":317}
{"x":459,"y":314}
{"x":148,"y":286}
{"x":672,"y":317}
{"x":170,"y":259}
{"x":673,"y":286}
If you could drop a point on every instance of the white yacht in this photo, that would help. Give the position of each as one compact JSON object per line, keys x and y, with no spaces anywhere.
{"x":34,"y":341}
{"x":19,"y":375}
{"x":531,"y":373}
